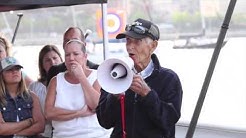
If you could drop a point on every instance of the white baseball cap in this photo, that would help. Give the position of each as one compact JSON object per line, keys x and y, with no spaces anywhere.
{"x":9,"y":62}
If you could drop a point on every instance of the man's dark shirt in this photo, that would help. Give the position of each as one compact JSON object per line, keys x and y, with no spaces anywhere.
{"x":54,"y":70}
{"x":152,"y":116}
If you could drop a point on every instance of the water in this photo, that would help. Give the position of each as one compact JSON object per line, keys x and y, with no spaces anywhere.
{"x":225,"y":103}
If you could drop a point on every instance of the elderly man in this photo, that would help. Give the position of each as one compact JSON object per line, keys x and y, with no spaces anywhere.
{"x":152,"y":104}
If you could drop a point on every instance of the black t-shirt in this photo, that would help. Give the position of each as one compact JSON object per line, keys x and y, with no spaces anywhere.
{"x":54,"y":70}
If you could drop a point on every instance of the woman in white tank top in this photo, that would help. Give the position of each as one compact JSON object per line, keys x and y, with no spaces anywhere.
{"x":73,"y":96}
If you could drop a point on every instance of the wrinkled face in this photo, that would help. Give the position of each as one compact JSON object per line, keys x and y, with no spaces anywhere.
{"x":74,"y":55}
{"x":71,"y":34}
{"x":139,"y":50}
{"x":12,"y":75}
{"x":51,"y":58}
{"x":3,"y":53}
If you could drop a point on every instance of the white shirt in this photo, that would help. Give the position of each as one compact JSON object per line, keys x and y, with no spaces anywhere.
{"x":148,"y":70}
{"x":70,"y":96}
{"x":40,"y":90}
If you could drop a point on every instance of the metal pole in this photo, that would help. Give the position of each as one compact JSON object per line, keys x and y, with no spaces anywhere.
{"x":202,"y":18}
{"x":105,"y":31}
{"x":210,"y":70}
{"x":74,"y":16}
{"x":7,"y":24}
{"x":17,"y":26}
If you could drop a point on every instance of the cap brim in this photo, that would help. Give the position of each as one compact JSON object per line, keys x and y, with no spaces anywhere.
{"x":130,"y":34}
{"x":11,"y":66}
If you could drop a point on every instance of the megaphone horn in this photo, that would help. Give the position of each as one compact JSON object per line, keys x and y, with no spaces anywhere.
{"x":118,"y":71}
{"x":115,"y":75}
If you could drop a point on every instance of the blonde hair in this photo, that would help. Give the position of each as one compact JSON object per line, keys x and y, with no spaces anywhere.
{"x":83,"y":48}
{"x":5,"y":44}
{"x":21,"y":90}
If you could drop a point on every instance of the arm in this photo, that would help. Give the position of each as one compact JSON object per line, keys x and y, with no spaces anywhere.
{"x":92,"y":93}
{"x":38,"y":124}
{"x":10,"y":128}
{"x":56,"y":113}
{"x":108,"y":110}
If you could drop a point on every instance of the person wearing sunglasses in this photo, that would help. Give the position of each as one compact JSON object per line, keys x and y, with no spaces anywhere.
{"x":152,"y":103}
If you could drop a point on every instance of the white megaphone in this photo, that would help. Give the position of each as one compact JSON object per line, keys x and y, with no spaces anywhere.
{"x":115,"y":75}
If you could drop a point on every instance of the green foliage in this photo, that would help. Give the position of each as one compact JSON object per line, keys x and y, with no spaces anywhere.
{"x":182,"y":15}
{"x":185,"y":21}
{"x":137,"y":14}
{"x":239,"y":18}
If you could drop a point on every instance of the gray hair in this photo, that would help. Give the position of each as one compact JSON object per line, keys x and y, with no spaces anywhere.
{"x":148,"y":40}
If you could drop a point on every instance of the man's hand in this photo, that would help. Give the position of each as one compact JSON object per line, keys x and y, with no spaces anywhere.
{"x":139,"y":86}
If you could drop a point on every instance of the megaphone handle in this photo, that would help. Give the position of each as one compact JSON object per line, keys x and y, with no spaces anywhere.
{"x":122,"y":105}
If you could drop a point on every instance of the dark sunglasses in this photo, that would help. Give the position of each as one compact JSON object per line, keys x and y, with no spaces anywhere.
{"x":137,"y":29}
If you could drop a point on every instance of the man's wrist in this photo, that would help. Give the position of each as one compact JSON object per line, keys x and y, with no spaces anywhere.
{"x":145,"y":90}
